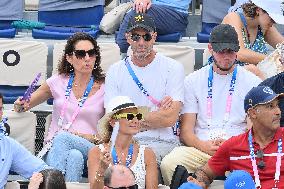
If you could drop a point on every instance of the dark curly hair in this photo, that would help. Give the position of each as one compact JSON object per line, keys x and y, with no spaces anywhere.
{"x":52,"y":179}
{"x":64,"y":67}
{"x":250,"y":9}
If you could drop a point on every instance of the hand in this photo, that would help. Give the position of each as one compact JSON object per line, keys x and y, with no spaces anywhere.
{"x":218,"y":141}
{"x":21,"y":105}
{"x":105,"y":159}
{"x":209,"y":146}
{"x":35,"y":181}
{"x":191,"y":179}
{"x":166,"y":102}
{"x":141,"y":6}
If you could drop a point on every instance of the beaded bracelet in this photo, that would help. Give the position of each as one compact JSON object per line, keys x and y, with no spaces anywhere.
{"x":98,"y":176}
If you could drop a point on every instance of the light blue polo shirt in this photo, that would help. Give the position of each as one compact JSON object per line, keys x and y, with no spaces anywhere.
{"x":15,"y":157}
{"x":179,"y":5}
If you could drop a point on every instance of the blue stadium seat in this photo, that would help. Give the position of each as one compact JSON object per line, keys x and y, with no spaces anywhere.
{"x":11,"y":93}
{"x":172,"y":37}
{"x":62,"y":24}
{"x":6,"y":30}
{"x":203,"y":36}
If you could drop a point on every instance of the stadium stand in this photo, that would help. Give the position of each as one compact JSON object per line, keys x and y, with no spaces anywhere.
{"x":62,"y":22}
{"x":23,"y":128}
{"x":20,"y":61}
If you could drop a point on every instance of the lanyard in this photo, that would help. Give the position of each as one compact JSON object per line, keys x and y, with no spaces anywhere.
{"x":139,"y":84}
{"x":2,"y":127}
{"x":229,"y":98}
{"x":128,"y":159}
{"x":254,"y":166}
{"x":80,"y":103}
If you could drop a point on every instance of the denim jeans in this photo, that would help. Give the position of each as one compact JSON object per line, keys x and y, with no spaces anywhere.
{"x":69,"y":154}
{"x":167,"y":20}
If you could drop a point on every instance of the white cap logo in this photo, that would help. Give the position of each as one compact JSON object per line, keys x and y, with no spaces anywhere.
{"x":241,"y":184}
{"x":267,"y":90}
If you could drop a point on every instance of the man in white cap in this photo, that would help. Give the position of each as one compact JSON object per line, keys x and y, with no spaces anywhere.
{"x":258,"y":151}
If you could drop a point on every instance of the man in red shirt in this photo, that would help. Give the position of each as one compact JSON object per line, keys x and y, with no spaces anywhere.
{"x":258,"y":151}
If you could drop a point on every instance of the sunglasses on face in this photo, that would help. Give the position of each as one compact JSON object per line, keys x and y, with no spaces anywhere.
{"x":261,"y":163}
{"x":146,"y":37}
{"x":82,"y":53}
{"x":128,"y":116}
{"x":135,"y":186}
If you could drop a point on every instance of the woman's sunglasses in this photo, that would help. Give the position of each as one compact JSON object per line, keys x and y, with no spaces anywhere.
{"x":128,"y":116}
{"x":146,"y":37}
{"x":135,"y":186}
{"x":82,"y":53}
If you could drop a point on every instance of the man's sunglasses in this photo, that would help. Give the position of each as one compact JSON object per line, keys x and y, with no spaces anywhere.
{"x":128,"y":116}
{"x":146,"y":37}
{"x":261,"y":163}
{"x":82,"y":53}
{"x":135,"y":186}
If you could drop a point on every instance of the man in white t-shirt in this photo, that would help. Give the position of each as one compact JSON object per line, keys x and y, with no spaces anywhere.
{"x":161,"y":86}
{"x":213,"y":108}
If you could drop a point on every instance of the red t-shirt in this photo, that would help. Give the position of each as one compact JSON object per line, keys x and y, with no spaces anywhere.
{"x":234,"y":155}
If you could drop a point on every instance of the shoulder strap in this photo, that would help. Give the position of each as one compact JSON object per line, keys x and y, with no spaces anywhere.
{"x":242,"y":16}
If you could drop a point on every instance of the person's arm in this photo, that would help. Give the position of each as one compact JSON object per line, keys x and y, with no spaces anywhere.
{"x":141,"y":6}
{"x":273,"y":37}
{"x":151,"y":169}
{"x":244,"y":54}
{"x":203,"y":176}
{"x":35,"y":181}
{"x":24,"y":163}
{"x":98,"y":162}
{"x":42,"y":94}
{"x":165,"y":117}
{"x":188,"y":137}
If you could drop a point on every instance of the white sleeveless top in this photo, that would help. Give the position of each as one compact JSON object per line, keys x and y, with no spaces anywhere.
{"x":138,"y":167}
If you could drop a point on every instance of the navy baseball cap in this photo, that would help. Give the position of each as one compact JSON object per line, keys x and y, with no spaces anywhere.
{"x":224,"y":36}
{"x":141,"y":20}
{"x":189,"y":185}
{"x":259,"y":95}
{"x":239,"y":179}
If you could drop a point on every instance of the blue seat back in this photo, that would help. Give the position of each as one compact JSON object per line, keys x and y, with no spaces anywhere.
{"x":203,"y":36}
{"x":73,"y":17}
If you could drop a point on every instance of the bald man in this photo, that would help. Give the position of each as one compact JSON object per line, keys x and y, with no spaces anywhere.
{"x":119,"y":176}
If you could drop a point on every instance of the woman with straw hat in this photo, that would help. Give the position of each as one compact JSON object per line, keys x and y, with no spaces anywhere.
{"x":116,"y":128}
{"x":254,"y":24}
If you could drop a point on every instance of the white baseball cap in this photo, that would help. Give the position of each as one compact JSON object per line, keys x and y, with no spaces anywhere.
{"x":274,"y":8}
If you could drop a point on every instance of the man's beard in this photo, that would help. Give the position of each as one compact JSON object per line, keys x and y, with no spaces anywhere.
{"x":223,"y":69}
{"x":142,"y":56}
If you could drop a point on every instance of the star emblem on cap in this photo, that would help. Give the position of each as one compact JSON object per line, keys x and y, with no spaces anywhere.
{"x":138,"y":18}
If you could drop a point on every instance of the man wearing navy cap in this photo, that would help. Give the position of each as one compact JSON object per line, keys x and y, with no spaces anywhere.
{"x":258,"y":151}
{"x":276,"y":83}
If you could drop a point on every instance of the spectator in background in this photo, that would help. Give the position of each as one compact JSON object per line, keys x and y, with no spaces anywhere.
{"x":56,"y":5}
{"x":78,"y":91}
{"x":212,"y":112}
{"x":254,"y":26}
{"x":258,"y":151}
{"x":47,"y":179}
{"x":119,"y":176}
{"x":15,"y":157}
{"x":170,"y":16}
{"x":117,"y":127}
{"x":11,"y":10}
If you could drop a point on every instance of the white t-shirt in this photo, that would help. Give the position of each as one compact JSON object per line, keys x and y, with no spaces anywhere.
{"x":162,"y":77}
{"x":196,"y":92}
